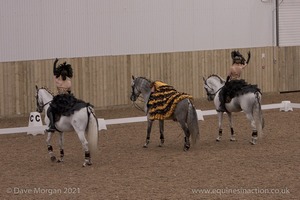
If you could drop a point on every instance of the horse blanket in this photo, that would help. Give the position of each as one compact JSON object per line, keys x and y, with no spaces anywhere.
{"x":163,"y":101}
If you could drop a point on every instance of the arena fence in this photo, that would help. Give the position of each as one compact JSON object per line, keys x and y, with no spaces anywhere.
{"x":105,"y":81}
{"x":36,"y":129}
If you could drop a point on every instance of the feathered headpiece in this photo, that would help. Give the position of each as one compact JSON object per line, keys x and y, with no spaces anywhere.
{"x":67,"y":68}
{"x":237,"y":57}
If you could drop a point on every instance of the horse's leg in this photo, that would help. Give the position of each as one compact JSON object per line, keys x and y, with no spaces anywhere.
{"x":150,"y":122}
{"x":61,"y":147}
{"x":161,"y":131}
{"x":232,"y":137}
{"x":220,"y":121}
{"x":50,"y":148}
{"x":84,"y":142}
{"x":184,"y":127}
{"x":254,"y":130}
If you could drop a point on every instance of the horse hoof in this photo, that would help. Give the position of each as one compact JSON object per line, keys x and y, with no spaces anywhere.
{"x":145,"y":146}
{"x":253,"y":141}
{"x":86,"y":164}
{"x":218,"y":140}
{"x":186,"y":148}
{"x":59,"y":161}
{"x":160,"y":145}
{"x":53,"y":158}
{"x":232,"y":139}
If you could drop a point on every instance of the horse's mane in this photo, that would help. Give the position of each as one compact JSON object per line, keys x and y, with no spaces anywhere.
{"x":48,"y":90}
{"x":215,"y":75}
{"x":141,"y":77}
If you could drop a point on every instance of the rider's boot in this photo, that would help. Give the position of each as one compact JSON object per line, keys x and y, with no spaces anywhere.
{"x":51,"y":125}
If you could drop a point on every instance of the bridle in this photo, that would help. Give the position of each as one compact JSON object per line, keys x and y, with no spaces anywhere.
{"x":208,"y":93}
{"x":40,"y":107}
{"x":134,"y":97}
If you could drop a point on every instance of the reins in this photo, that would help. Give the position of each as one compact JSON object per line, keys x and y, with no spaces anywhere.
{"x":42,"y":107}
{"x":211,"y":87}
{"x":46,"y":104}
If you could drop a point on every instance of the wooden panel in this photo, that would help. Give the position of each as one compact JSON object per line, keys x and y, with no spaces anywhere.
{"x":105,"y":81}
{"x":289,"y":72}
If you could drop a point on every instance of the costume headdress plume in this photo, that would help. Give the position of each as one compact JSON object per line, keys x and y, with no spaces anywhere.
{"x":62,"y":67}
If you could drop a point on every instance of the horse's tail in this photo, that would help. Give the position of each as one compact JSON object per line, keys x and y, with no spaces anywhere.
{"x":258,"y":115}
{"x":192,"y":123}
{"x":92,"y":131}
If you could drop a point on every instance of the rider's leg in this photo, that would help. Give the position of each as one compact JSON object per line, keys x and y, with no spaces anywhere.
{"x":50,"y":115}
{"x":222,"y":96}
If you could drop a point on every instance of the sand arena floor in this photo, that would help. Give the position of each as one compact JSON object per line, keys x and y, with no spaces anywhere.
{"x":122,"y":169}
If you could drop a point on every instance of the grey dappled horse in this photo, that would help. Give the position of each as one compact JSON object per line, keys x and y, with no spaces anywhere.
{"x":83,"y":120}
{"x":185,"y":113}
{"x":248,"y":102}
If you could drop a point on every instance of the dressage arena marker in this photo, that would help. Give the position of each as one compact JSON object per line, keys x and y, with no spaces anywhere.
{"x":35,"y":123}
{"x":35,"y":120}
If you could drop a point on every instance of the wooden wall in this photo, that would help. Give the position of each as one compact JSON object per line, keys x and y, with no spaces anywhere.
{"x":105,"y":81}
{"x":289,"y":68}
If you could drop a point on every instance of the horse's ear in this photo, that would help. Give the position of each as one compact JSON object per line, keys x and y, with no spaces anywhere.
{"x":203,"y":79}
{"x":132,"y":77}
{"x":36,"y":87}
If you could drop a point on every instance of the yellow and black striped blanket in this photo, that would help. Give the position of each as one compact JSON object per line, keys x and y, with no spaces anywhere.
{"x":163,"y":101}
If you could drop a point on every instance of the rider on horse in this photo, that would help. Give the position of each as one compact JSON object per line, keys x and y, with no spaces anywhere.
{"x":238,"y":64}
{"x":64,"y":103}
{"x":62,"y":79}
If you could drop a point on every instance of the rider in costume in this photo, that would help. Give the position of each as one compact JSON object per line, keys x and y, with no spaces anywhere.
{"x":234,"y":73}
{"x":63,"y":100}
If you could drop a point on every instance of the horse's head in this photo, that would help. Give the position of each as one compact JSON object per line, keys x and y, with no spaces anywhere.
{"x":212,"y":86}
{"x":138,"y":86}
{"x":42,"y":97}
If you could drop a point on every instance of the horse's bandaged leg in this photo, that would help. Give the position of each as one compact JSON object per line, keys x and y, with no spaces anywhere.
{"x":220,"y":135}
{"x":254,"y":137}
{"x":232,"y":137}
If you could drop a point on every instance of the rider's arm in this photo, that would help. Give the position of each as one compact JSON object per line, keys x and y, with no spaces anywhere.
{"x":246,"y":63}
{"x":55,"y":72}
{"x":243,"y":66}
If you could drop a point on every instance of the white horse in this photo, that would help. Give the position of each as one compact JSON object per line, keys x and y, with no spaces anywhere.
{"x":247,"y":100}
{"x":81,"y":121}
